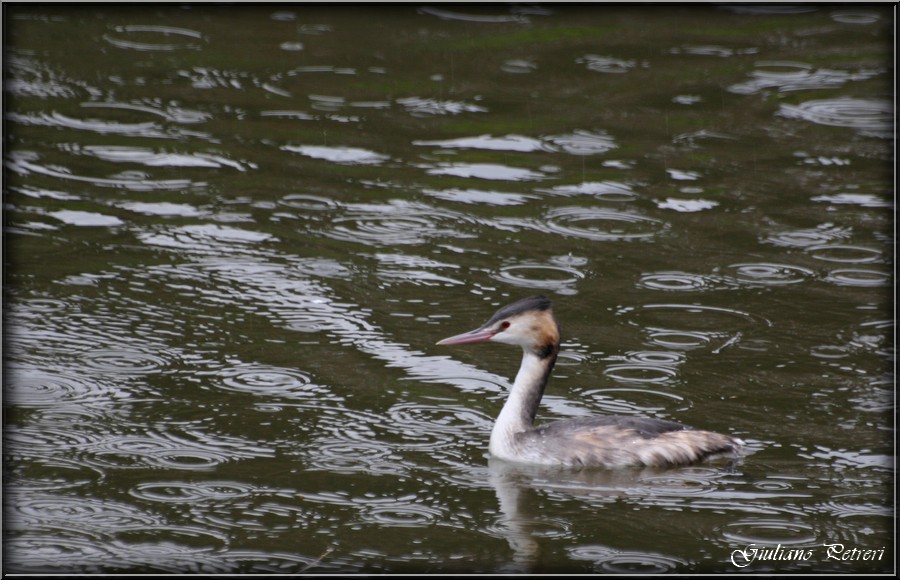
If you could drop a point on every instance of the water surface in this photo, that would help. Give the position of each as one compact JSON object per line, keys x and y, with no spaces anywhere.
{"x":233,"y":236}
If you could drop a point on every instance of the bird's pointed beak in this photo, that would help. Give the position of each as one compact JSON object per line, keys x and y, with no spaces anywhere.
{"x":477,"y":335}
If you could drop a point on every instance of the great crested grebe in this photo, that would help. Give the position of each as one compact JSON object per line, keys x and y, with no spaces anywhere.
{"x":607,"y":441}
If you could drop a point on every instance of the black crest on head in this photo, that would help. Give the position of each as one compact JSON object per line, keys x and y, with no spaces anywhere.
{"x":539,"y":303}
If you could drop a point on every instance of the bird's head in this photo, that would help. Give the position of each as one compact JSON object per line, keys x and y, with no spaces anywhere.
{"x":528,"y":323}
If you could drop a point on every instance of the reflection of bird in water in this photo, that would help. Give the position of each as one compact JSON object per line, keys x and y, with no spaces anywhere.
{"x":606,"y":441}
{"x":517,"y":486}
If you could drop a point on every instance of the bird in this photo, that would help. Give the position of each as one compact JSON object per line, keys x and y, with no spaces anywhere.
{"x":606,"y":441}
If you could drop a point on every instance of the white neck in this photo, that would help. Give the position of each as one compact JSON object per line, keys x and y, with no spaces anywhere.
{"x":517,"y":415}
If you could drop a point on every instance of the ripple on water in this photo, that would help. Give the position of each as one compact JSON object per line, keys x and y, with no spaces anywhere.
{"x":844,"y":253}
{"x":350,"y":441}
{"x":804,"y":238}
{"x":768,"y":274}
{"x":524,"y":539}
{"x":557,"y":277}
{"x":32,"y":77}
{"x":202,"y":237}
{"x":184,"y":451}
{"x":547,"y":527}
{"x":404,"y":512}
{"x":517,"y":143}
{"x":57,"y":552}
{"x":680,"y":282}
{"x":841,"y":509}
{"x":34,"y":388}
{"x":154,"y":38}
{"x":786,"y":76}
{"x":146,"y":129}
{"x":140,"y":452}
{"x":613,"y":561}
{"x":49,"y":442}
{"x":91,"y":535}
{"x":424,"y":107}
{"x":181,"y":492}
{"x":423,"y":426}
{"x":692,"y":320}
{"x":266,"y":562}
{"x":768,"y":531}
{"x":606,"y":64}
{"x":378,"y":443}
{"x":711,"y":50}
{"x":858,"y":277}
{"x":85,"y":218}
{"x":24,"y":163}
{"x":227,"y":505}
{"x":640,"y":373}
{"x":179,"y":553}
{"x":154,"y":158}
{"x":877,"y":397}
{"x":830,"y":352}
{"x":55,"y":475}
{"x":473,"y":17}
{"x":474,"y":196}
{"x":414,"y":270}
{"x":42,"y":306}
{"x":392,"y":223}
{"x":269,"y":381}
{"x":683,"y":340}
{"x":773,"y":485}
{"x":353,"y":456}
{"x":518,"y":66}
{"x":655,"y":357}
{"x":686,"y":205}
{"x":340,"y":155}
{"x":163,"y":209}
{"x":636,"y":401}
{"x":601,"y":224}
{"x":308,"y":202}
{"x":170,"y":113}
{"x":125,"y":361}
{"x":440,"y":429}
{"x":322,"y":317}
{"x":584,"y":142}
{"x":675,"y":484}
{"x":855,"y":16}
{"x":846,"y":458}
{"x":488,"y":171}
{"x":873,"y":117}
{"x":75,"y":513}
{"x":860,"y":199}
{"x":602,"y":190}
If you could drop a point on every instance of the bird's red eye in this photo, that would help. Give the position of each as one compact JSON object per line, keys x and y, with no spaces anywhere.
{"x":504,"y":325}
